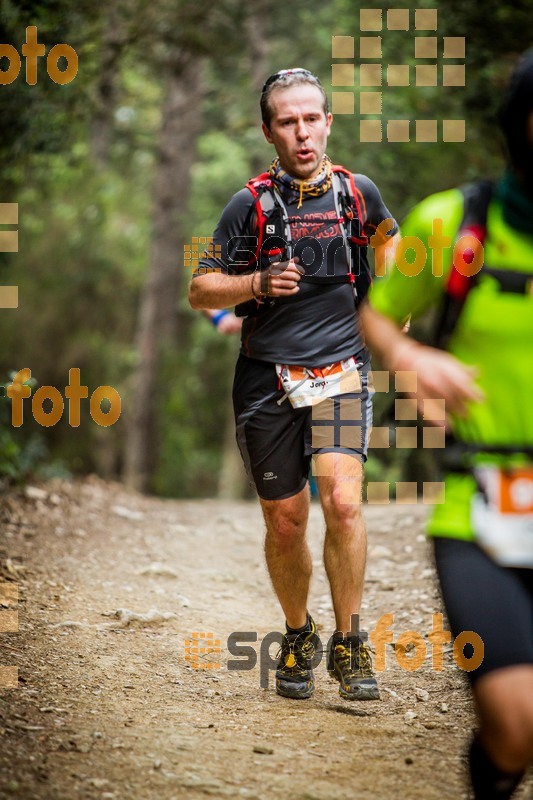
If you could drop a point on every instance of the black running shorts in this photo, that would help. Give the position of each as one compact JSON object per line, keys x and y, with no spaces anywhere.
{"x":277,"y":441}
{"x":493,"y":601}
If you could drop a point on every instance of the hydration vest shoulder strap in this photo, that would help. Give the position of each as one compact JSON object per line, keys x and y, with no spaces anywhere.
{"x":357,"y":203}
{"x":476,"y":200}
{"x":264,"y":201}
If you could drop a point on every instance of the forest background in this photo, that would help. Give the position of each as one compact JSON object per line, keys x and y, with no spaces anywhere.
{"x":116,"y":171}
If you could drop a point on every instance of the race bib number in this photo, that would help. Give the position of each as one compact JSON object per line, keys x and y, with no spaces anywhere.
{"x":306,"y":387}
{"x":502,"y":514}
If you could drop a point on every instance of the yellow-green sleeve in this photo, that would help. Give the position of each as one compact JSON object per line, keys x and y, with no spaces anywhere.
{"x":398,"y":295}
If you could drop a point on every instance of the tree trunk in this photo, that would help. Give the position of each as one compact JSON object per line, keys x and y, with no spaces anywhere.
{"x":258,"y":44}
{"x":233,"y":483}
{"x":158,"y":316}
{"x":102,"y":124}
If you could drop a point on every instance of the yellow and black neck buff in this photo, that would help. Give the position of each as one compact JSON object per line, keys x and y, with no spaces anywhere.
{"x":295,"y":189}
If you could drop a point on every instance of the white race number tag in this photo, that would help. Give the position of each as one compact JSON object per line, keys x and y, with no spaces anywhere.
{"x":306,"y":387}
{"x":503,"y":519}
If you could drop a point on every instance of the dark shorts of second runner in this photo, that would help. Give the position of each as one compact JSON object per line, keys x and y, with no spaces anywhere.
{"x":493,"y":601}
{"x":277,"y":441}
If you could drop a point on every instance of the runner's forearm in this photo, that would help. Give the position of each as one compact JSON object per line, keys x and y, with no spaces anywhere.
{"x":216,"y":290}
{"x":384,"y":337}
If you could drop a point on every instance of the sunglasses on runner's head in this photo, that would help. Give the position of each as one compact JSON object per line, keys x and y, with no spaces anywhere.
{"x":283,"y":72}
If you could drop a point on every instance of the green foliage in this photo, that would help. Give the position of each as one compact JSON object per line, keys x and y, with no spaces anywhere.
{"x":21,"y":454}
{"x":221,"y":170}
{"x":83,"y":240}
{"x":196,"y":387}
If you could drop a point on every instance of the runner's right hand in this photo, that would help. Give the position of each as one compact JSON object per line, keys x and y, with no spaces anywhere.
{"x":440,"y":376}
{"x":281,"y":279}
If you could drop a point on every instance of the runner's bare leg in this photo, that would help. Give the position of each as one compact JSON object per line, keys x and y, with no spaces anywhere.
{"x":287,"y":554}
{"x":504,"y":701}
{"x":339,"y":478}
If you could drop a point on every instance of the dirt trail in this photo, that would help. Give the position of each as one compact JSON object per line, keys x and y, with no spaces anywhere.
{"x":108,"y":707}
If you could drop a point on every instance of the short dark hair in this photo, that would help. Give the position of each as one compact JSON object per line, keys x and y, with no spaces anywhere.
{"x":283,"y":80}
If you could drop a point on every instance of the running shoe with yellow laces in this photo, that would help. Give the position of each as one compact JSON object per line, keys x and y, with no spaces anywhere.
{"x":294,"y":675}
{"x":350,"y":663}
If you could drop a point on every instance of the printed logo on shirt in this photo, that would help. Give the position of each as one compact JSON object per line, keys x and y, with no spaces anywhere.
{"x":317,"y":225}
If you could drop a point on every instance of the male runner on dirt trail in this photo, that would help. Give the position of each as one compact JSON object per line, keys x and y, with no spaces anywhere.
{"x":301,"y":318}
{"x":483,"y":532}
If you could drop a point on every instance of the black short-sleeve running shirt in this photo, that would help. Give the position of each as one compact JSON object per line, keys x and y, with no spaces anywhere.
{"x":324,"y":327}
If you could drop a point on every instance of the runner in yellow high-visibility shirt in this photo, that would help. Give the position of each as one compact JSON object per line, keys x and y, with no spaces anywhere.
{"x":483,"y":532}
